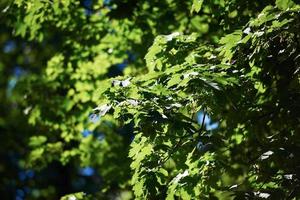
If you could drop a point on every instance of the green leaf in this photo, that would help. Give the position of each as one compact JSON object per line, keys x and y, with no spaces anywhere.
{"x":284,"y":4}
{"x":197,"y":5}
{"x":37,"y":140}
{"x":74,"y":196}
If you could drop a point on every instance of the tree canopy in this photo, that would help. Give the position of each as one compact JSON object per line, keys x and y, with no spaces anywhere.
{"x":169,"y":99}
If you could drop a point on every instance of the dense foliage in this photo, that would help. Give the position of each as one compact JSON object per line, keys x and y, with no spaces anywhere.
{"x":196,"y":99}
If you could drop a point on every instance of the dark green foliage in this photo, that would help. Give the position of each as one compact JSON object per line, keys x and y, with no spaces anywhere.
{"x":161,"y":72}
{"x":251,"y":87}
